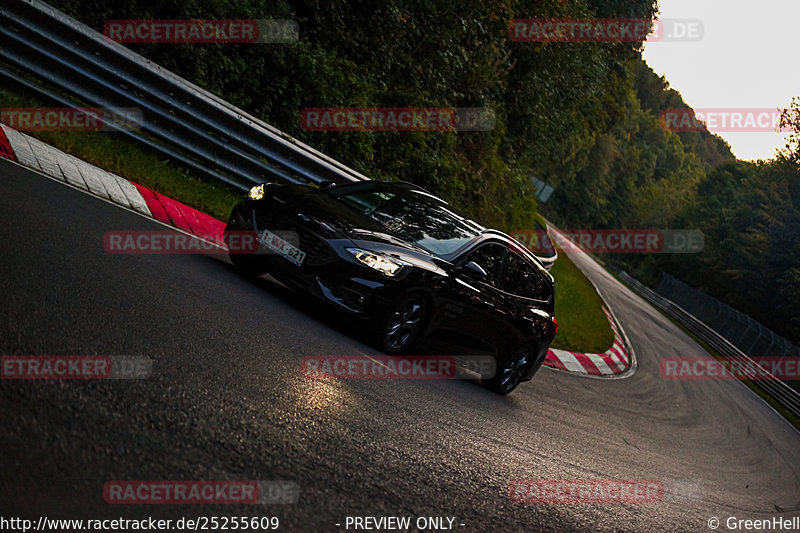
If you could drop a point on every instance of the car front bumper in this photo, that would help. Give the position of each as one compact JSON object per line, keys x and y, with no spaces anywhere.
{"x":328,"y":272}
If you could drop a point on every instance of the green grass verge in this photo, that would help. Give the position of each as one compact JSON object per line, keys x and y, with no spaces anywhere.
{"x":125,"y":157}
{"x":753,"y":385}
{"x":582,"y":325}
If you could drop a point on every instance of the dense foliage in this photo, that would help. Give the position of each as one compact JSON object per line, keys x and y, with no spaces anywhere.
{"x":750,"y":214}
{"x":583,"y":117}
{"x":550,"y":99}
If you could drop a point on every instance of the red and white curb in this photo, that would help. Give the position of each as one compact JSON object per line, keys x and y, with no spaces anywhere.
{"x":31,"y":152}
{"x":614,"y":361}
{"x":35,"y":154}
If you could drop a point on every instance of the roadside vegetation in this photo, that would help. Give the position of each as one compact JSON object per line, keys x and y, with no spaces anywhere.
{"x":582,"y":324}
{"x":552,"y":101}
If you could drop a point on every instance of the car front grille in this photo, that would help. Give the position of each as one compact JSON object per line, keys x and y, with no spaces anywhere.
{"x":317,"y":251}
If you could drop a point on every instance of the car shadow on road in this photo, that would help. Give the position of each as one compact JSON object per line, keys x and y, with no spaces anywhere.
{"x":313,"y":307}
{"x":328,"y":316}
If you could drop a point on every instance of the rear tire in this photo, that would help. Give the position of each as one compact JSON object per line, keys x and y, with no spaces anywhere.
{"x":511,"y":370}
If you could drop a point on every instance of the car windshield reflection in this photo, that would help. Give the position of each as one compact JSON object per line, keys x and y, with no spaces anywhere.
{"x":415,"y":217}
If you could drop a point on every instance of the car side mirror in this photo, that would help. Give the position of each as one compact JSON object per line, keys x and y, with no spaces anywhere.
{"x":474,"y":270}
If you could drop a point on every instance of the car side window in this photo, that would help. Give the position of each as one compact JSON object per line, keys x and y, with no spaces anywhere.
{"x":490,"y":258}
{"x":522,"y":279}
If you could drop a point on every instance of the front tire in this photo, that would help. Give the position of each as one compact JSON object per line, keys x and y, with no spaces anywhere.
{"x":511,"y":370}
{"x":403,"y":324}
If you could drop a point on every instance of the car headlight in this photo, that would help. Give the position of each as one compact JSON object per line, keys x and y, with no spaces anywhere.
{"x":257,"y":192}
{"x":385,"y":265}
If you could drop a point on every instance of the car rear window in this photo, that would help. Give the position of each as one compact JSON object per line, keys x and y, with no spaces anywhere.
{"x":522,"y":279}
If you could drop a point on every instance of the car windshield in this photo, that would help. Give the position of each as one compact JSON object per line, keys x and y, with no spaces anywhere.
{"x":413,"y":216}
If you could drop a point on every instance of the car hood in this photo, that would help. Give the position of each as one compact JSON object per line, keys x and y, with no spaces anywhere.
{"x":332,"y":219}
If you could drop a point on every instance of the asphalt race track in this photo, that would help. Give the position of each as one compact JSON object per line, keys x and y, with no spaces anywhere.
{"x":227,"y":400}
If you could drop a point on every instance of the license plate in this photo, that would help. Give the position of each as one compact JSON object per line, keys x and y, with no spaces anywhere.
{"x":282,"y":247}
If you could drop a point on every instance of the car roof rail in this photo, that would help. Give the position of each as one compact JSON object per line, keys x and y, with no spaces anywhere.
{"x":410,"y":185}
{"x":415,"y":187}
{"x":496,"y":232}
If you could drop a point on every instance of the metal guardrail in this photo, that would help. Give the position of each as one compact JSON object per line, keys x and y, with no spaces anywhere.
{"x":63,"y":60}
{"x":774,"y":387}
{"x":747,"y":334}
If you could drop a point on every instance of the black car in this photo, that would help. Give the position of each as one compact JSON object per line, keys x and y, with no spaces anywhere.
{"x":409,"y":265}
